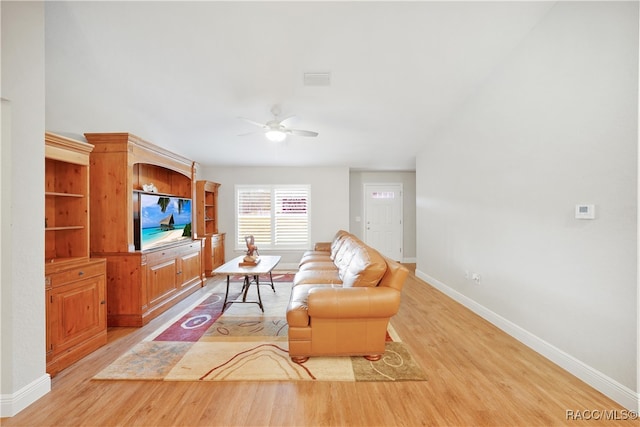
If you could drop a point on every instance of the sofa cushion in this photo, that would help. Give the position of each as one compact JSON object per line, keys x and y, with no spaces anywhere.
{"x":344,"y":257}
{"x":365,"y":269}
{"x":318,"y":265}
{"x":317,"y":277}
{"x":337,"y":242}
{"x":314,"y":258}
{"x":344,"y":252}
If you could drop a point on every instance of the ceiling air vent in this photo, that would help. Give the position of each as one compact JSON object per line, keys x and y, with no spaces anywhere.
{"x":317,"y":79}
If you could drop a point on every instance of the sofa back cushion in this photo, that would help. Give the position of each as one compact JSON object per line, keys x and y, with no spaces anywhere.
{"x":366,"y":267}
{"x":395,"y":276}
{"x":345,"y":253}
{"x":337,"y":243}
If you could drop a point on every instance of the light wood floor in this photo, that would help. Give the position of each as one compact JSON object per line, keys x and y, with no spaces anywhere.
{"x":477,"y":376}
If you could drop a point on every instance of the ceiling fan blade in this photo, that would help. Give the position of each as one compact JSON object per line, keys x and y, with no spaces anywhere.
{"x":262,"y":125}
{"x":282,"y":122}
{"x":301,"y":132}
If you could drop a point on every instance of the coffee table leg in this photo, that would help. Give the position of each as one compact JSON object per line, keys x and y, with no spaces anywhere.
{"x":245,"y":288}
{"x":271,"y":277}
{"x":226,"y":295}
{"x":259,"y":298}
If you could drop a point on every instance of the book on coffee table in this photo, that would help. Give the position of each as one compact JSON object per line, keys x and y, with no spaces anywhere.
{"x":245,"y":263}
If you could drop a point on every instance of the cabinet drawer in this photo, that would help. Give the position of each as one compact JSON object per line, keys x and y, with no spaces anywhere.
{"x":171,"y":252}
{"x":161,"y":254}
{"x":76,"y":273}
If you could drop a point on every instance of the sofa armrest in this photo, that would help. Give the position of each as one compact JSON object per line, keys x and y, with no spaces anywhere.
{"x":353,"y":303}
{"x":322,"y":246}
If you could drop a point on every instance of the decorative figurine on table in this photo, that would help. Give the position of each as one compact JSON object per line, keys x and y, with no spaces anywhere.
{"x":252,"y":251}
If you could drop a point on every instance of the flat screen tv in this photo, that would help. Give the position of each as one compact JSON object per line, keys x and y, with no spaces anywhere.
{"x":160,"y":220}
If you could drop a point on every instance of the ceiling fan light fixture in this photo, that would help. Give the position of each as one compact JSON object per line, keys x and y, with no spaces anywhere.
{"x":275,"y":135}
{"x":275,"y":130}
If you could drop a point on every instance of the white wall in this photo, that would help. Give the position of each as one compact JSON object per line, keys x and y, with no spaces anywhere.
{"x":555,"y":125}
{"x":329,"y":199}
{"x":408,"y":181}
{"x":22,"y":377}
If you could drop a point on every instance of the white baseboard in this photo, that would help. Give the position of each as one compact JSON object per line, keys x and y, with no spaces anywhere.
{"x":596,"y":379}
{"x":11,"y":404}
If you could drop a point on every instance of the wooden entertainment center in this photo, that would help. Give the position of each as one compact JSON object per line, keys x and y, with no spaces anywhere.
{"x":141,"y":284}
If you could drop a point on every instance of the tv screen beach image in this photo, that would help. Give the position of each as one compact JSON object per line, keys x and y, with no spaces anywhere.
{"x":163,"y":219}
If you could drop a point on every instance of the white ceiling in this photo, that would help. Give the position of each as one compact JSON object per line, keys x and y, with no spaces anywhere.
{"x":179,"y":74}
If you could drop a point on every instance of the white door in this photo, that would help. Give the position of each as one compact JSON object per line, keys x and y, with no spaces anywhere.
{"x":383,"y":218}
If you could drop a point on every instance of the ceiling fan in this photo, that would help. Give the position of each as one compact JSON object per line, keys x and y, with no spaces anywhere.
{"x":275,"y":130}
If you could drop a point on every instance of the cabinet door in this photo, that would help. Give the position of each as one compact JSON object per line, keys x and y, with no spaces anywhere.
{"x":189,"y":268}
{"x":77,"y":312}
{"x":161,"y":280}
{"x":207,"y":255}
{"x":217,"y":244}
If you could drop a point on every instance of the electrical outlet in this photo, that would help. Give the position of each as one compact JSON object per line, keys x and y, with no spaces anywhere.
{"x":476,"y":278}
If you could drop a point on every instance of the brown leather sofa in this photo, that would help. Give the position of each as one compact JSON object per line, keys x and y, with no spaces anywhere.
{"x":343,"y":296}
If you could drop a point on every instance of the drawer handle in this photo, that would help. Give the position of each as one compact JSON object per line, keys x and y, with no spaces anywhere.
{"x":80,"y":273}
{"x":103,"y":302}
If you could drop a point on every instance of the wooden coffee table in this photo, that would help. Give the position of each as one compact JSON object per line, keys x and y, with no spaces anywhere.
{"x":251,"y":275}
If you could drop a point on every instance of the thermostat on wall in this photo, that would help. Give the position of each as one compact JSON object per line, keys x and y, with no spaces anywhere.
{"x":585,"y":211}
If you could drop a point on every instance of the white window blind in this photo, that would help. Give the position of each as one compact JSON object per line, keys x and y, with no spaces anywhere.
{"x":277,"y":216}
{"x":254,"y":215}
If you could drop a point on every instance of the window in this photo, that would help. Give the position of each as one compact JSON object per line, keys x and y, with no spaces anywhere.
{"x":383,"y":195}
{"x":276,"y":215}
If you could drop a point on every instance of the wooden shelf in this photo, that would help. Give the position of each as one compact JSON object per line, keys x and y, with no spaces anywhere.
{"x":206,"y":208}
{"x":155,"y":193}
{"x":207,"y":225}
{"x":66,"y":190}
{"x":70,"y":227}
{"x":54,"y":194}
{"x":57,"y":261}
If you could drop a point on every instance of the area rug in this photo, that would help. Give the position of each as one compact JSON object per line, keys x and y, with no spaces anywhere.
{"x":244,"y":344}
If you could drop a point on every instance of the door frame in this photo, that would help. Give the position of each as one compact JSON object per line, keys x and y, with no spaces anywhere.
{"x":398,"y":185}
